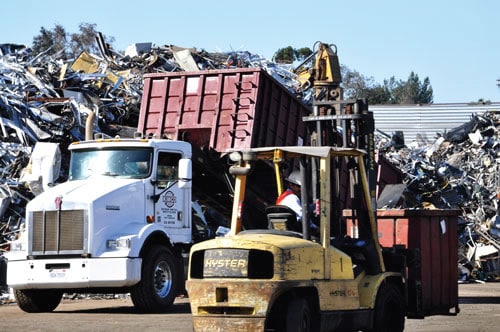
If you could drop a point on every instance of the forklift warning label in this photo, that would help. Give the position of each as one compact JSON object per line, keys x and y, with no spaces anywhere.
{"x":225,"y":263}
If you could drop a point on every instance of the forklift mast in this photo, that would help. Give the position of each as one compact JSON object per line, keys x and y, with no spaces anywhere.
{"x":336,"y":121}
{"x":345,"y":123}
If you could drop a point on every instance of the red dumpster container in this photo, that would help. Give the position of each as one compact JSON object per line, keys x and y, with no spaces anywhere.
{"x":218,"y":110}
{"x":222,"y":109}
{"x":430,"y":237}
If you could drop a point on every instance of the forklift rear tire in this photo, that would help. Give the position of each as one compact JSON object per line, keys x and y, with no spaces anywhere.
{"x":159,"y":281}
{"x":389,"y":309}
{"x":37,"y":300}
{"x":298,"y":316}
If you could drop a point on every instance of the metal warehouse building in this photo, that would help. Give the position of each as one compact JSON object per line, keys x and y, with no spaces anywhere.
{"x":422,"y":122}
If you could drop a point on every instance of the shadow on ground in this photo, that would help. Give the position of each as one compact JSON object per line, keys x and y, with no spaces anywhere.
{"x":177,"y":308}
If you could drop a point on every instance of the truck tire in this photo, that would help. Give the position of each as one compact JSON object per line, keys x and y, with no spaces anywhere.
{"x":298,"y":316}
{"x":389,"y":309}
{"x":37,"y":300}
{"x":159,"y":281}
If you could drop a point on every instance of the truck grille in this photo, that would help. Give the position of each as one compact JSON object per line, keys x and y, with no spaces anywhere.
{"x":58,"y":232}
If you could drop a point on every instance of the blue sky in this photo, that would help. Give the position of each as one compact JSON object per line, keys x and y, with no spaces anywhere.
{"x":455,"y":43}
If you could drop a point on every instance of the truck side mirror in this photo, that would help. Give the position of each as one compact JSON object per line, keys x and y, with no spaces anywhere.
{"x":185,"y":173}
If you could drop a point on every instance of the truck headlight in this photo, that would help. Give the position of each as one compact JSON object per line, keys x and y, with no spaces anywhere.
{"x":120,"y":243}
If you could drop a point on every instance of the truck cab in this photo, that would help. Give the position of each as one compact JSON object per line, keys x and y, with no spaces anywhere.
{"x":121,"y":223}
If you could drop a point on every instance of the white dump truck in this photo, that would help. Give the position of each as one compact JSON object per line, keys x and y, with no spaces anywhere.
{"x":116,"y":223}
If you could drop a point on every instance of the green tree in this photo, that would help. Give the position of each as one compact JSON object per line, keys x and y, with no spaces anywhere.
{"x":285,"y":55}
{"x":86,"y":39}
{"x":354,"y":83}
{"x":480,"y":101}
{"x":289,"y":54}
{"x":411,"y":91}
{"x":50,"y":41}
{"x":358,"y":86}
{"x":58,"y":40}
{"x":303,"y":53}
{"x":392,"y":91}
{"x":377,"y":95}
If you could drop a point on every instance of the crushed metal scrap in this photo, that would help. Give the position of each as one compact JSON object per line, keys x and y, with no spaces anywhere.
{"x":460,"y":170}
{"x":48,"y":99}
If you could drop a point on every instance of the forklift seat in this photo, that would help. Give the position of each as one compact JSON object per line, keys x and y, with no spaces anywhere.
{"x":281,"y":217}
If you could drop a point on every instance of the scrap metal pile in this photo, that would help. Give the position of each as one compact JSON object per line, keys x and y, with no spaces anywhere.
{"x":50,"y":99}
{"x":460,"y":170}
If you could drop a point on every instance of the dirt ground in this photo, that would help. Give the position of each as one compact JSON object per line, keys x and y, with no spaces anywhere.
{"x":479,"y":311}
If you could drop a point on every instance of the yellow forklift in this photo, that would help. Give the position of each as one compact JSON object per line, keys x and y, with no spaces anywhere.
{"x":286,"y":279}
{"x":280,"y":277}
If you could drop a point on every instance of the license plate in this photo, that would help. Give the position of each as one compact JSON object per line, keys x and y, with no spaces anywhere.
{"x":57,"y":274}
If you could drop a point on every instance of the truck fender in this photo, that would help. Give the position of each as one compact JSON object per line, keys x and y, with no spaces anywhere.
{"x":144,"y":234}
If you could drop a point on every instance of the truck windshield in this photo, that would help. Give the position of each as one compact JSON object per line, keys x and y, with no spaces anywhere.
{"x":117,"y":162}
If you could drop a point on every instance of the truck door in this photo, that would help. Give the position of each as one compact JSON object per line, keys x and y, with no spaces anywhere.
{"x":172,"y":201}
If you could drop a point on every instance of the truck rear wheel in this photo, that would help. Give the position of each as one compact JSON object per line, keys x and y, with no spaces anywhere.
{"x":159,"y":281}
{"x":298,"y":316}
{"x":37,"y":300}
{"x":389,"y":309}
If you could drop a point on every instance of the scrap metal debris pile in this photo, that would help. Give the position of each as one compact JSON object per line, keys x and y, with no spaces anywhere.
{"x":50,"y":99}
{"x":460,"y":170}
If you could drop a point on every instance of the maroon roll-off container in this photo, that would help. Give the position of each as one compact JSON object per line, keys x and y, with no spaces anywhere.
{"x":430,"y":239}
{"x":222,"y":109}
{"x":218,"y":110}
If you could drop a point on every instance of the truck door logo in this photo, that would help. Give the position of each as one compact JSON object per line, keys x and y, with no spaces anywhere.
{"x":169,"y":199}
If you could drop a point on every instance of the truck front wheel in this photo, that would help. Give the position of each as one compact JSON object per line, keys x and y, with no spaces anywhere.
{"x":159,"y":281}
{"x":37,"y":300}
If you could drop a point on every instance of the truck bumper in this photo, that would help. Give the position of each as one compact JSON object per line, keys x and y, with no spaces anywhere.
{"x":230,"y":305}
{"x":73,"y":273}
